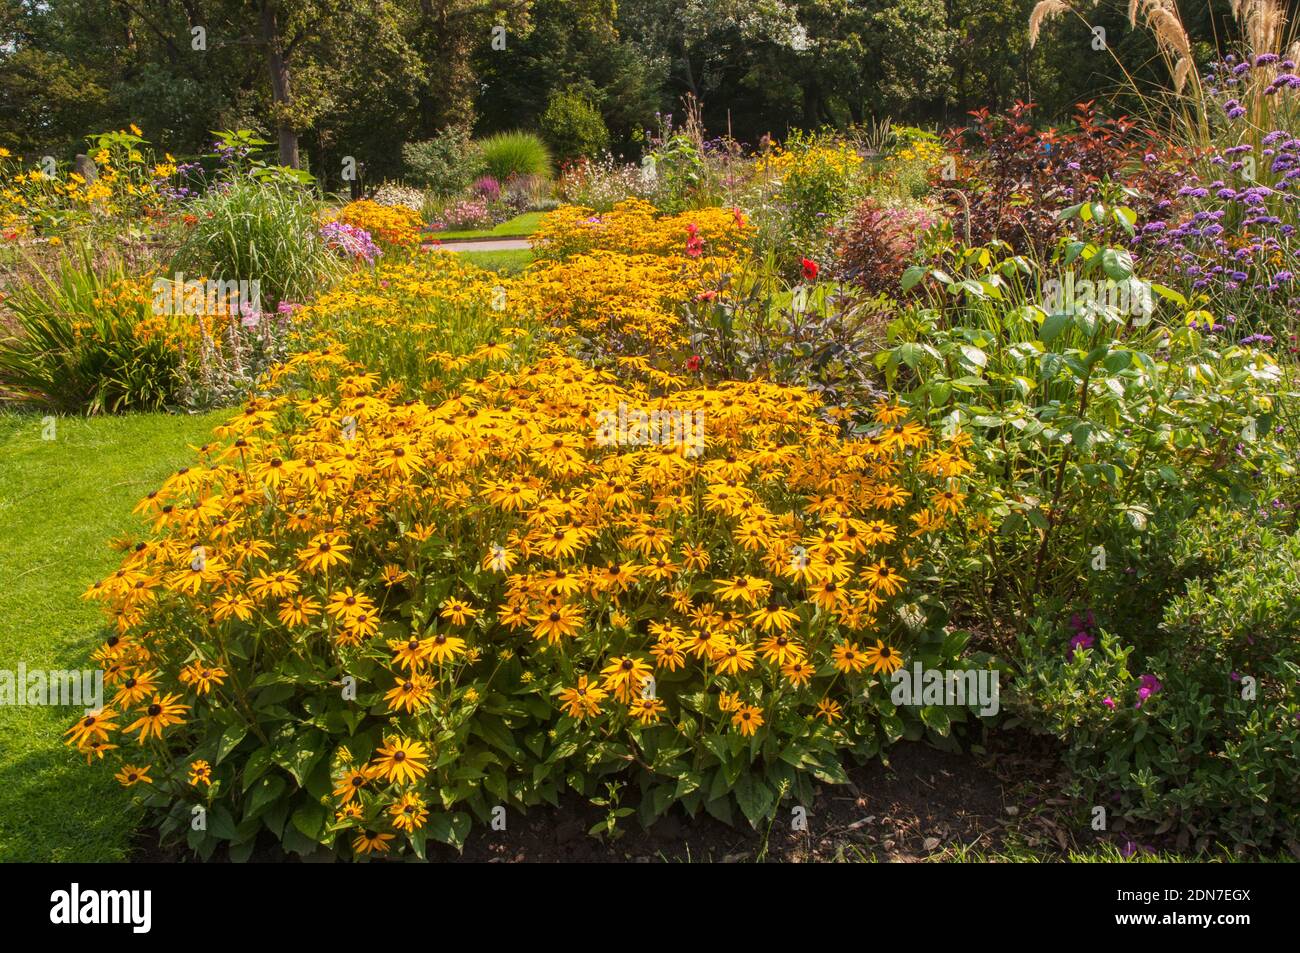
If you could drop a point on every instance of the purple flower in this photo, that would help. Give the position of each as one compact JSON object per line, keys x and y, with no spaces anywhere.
{"x":349,"y":240}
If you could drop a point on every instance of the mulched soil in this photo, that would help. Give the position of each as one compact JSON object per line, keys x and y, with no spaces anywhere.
{"x":920,"y":805}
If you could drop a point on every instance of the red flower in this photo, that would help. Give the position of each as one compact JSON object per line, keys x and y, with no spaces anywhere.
{"x":695,"y":247}
{"x":706,"y":296}
{"x":810,"y":269}
{"x":739,"y":216}
{"x":694,"y":363}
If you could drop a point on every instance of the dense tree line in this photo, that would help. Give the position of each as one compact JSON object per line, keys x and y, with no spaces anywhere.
{"x":326,"y":79}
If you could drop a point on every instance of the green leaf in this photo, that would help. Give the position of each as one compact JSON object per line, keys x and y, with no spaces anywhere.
{"x":1053,"y":325}
{"x":311,"y":820}
{"x":450,"y":828}
{"x":912,"y":276}
{"x":755,"y":798}
{"x":265,"y":793}
{"x":230,"y":739}
{"x":936,"y":719}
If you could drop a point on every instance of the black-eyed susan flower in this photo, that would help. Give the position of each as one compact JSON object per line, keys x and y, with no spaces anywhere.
{"x":848,"y":657}
{"x":797,"y":672}
{"x":647,"y":711}
{"x":748,"y":718}
{"x":829,"y":711}
{"x":200,"y":773}
{"x":734,"y":658}
{"x":444,"y":648}
{"x":457,"y":611}
{"x":883,"y":658}
{"x":353,"y":780}
{"x":624,"y":677}
{"x":780,"y":649}
{"x":409,"y":812}
{"x":401,"y":760}
{"x":136,"y":687}
{"x":582,"y":701}
{"x":92,"y":727}
{"x":130,"y":775}
{"x":324,"y":551}
{"x":163,"y":711}
{"x":370,"y":841}
{"x":558,"y":622}
{"x":202,"y":677}
{"x":411,"y":693}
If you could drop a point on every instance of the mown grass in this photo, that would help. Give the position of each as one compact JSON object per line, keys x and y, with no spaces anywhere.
{"x":521,"y":226}
{"x":61,"y":500}
{"x":507,"y":262}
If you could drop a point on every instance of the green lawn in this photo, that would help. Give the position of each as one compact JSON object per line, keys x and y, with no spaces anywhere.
{"x":506,"y":262}
{"x":521,"y":226}
{"x":61,"y":501}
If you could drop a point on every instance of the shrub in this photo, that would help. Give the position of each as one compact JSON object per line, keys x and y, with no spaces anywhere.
{"x":129,"y":185}
{"x":83,"y":345}
{"x":636,"y":227}
{"x":572,"y":126}
{"x":94,"y":339}
{"x":813,"y":180}
{"x":1207,"y":752}
{"x":752,"y":326}
{"x":467,"y":213}
{"x":877,"y":243}
{"x":619,"y":279}
{"x":487,"y":188}
{"x":399,"y":615}
{"x":393,"y":227}
{"x":515,"y":153}
{"x":602,"y":183}
{"x":394,"y":193}
{"x":257,"y":229}
{"x":523,"y":193}
{"x":445,"y":164}
{"x":1011,"y":179}
{"x":1093,"y":428}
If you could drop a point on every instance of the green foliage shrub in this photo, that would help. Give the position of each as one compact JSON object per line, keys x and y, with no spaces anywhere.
{"x":1211,"y":752}
{"x":573,"y":126}
{"x":445,"y":164}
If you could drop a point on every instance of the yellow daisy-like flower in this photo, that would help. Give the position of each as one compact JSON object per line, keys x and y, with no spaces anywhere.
{"x":401,"y":760}
{"x":883,"y":658}
{"x":748,"y":718}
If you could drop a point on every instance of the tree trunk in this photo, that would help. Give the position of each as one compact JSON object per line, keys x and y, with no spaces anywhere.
{"x":281,"y":94}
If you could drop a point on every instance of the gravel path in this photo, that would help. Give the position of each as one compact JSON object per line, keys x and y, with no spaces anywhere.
{"x":502,"y":244}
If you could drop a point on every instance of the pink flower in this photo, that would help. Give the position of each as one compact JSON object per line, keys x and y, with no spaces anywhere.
{"x":1108,"y":702}
{"x":1149,"y":685}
